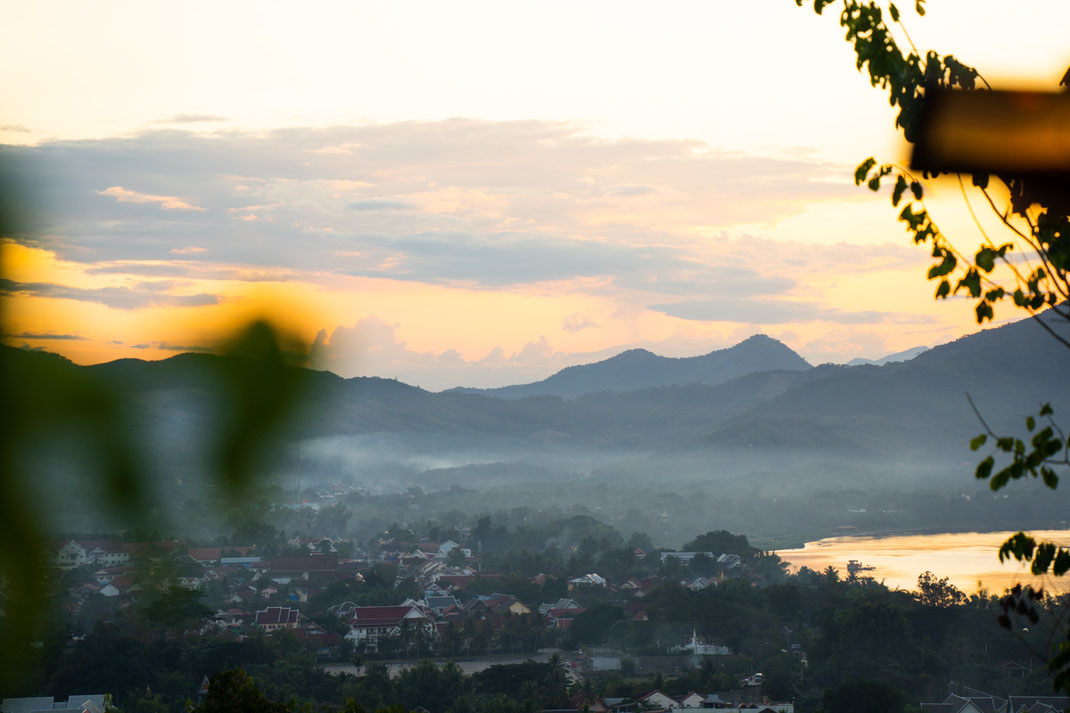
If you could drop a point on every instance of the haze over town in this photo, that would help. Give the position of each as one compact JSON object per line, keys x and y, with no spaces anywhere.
{"x":483,"y":357}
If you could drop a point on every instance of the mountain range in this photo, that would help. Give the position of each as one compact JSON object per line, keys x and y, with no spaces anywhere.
{"x":640,"y":369}
{"x":756,"y":395}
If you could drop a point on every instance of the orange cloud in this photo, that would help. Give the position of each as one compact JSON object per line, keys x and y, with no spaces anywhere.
{"x":124,"y":195}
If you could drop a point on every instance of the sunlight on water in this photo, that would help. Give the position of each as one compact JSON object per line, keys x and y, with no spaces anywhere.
{"x":969,"y":560}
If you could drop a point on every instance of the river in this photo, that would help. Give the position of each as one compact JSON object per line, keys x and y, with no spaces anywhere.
{"x":968,"y":559}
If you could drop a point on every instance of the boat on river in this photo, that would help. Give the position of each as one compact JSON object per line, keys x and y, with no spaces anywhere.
{"x":854,"y":567}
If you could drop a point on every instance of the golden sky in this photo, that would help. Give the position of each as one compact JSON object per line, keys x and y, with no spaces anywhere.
{"x":471,"y":193}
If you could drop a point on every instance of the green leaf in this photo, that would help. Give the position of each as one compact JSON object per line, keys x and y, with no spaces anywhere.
{"x":986,"y":259}
{"x":984,"y":468}
{"x":972,"y":282}
{"x":900,"y":188}
{"x":943,"y":290}
{"x":894,"y":12}
{"x":978,"y":442}
{"x":1020,"y":546}
{"x":920,"y":7}
{"x":863,"y":169}
{"x":946,"y":266}
{"x":984,"y":311}
{"x":1061,"y":564}
{"x":1042,"y":559}
{"x":1030,"y":423}
{"x":915,"y":188}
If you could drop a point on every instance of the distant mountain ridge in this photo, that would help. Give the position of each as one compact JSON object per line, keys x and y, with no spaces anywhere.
{"x":637,"y":369}
{"x":905,"y":355}
{"x":877,"y":412}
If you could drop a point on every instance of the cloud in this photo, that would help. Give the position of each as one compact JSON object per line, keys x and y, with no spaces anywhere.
{"x":380,"y":204}
{"x":763,"y":311}
{"x":46,"y":335}
{"x":152,"y":269}
{"x":146,"y":294}
{"x":123,"y":195}
{"x":481,"y":204}
{"x":168,"y":347}
{"x":190,"y":119}
{"x":577,"y":322}
{"x":374,"y":347}
{"x":16,"y":128}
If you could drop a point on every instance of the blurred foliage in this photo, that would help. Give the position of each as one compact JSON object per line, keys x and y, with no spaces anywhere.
{"x":1029,"y":264}
{"x":48,"y":400}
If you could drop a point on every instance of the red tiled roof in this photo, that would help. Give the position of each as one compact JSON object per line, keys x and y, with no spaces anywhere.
{"x":307,"y":563}
{"x":208,"y":554}
{"x":146,"y":549}
{"x":105,"y":545}
{"x":122,"y":582}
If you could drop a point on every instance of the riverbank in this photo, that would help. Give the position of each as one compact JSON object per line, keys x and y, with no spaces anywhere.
{"x":797,"y":541}
{"x":969,"y":560}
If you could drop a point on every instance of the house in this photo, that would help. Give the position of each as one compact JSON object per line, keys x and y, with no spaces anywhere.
{"x":275,"y":618}
{"x":1013,"y":668}
{"x":106,"y":575}
{"x":658,"y":700}
{"x":321,"y":640}
{"x":595,"y":705}
{"x":691,"y":700}
{"x":368,"y":625}
{"x":560,"y":604}
{"x":439,"y":605}
{"x":1037,"y":704}
{"x":283,"y":569}
{"x":726,"y":561}
{"x":213,"y":555}
{"x":77,"y":703}
{"x":699,"y":583}
{"x":446,"y":547}
{"x":232,"y":618}
{"x":119,"y":584}
{"x":501,"y":603}
{"x":100,"y":553}
{"x":562,"y":618}
{"x":587,"y":580}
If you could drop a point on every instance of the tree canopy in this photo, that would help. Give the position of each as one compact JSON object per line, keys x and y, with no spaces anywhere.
{"x":1026,"y":263}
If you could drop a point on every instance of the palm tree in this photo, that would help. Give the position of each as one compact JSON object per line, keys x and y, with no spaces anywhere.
{"x":707,"y":673}
{"x":557,"y":681}
{"x":587,"y":696}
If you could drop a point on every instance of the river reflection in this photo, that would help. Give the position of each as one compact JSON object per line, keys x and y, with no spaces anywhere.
{"x":968,"y":559}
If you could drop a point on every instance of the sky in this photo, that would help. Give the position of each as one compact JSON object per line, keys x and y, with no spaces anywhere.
{"x":470,"y":193}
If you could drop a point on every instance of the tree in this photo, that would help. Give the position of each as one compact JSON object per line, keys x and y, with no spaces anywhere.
{"x":234,"y":692}
{"x":1028,"y":263}
{"x":933,"y":592}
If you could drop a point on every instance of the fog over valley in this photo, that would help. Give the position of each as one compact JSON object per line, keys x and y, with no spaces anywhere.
{"x":751,"y":438}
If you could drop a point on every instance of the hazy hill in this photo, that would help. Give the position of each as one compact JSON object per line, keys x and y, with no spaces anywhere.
{"x":917,"y":404}
{"x":905,"y":355}
{"x":640,"y":369}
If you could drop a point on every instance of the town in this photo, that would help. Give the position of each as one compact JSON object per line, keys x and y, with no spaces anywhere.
{"x":569,"y":615}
